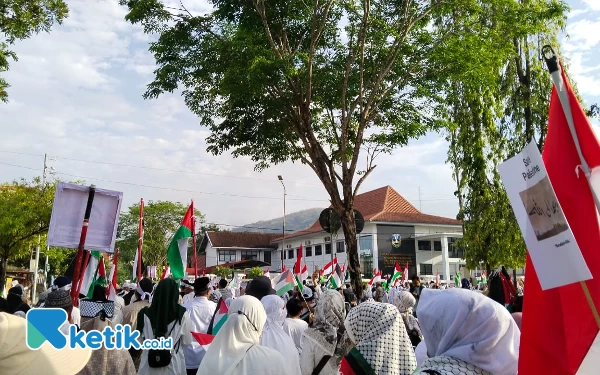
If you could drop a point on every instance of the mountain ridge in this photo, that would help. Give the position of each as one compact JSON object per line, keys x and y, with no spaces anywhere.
{"x":294,"y":222}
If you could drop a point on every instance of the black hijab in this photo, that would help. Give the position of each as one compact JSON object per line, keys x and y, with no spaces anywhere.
{"x":164,"y":309}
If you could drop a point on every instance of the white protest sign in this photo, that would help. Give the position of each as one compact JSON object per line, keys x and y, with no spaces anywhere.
{"x":68,"y":212}
{"x":550,"y":242}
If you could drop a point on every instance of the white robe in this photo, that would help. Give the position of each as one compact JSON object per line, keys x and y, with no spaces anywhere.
{"x":274,"y":336}
{"x":235,"y":350}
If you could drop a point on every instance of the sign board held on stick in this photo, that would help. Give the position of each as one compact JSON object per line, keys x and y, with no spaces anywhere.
{"x":67,"y":215}
{"x":553,"y":249}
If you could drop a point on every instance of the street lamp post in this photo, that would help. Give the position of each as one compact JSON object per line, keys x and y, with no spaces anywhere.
{"x":283,"y":241}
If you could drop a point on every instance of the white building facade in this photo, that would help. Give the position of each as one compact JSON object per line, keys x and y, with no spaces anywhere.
{"x":394,"y":232}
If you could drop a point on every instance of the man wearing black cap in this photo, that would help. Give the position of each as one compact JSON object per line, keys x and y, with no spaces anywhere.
{"x":201,"y":311}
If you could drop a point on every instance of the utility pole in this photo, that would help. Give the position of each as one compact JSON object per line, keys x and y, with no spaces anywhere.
{"x":37,"y":248}
{"x":283,"y":241}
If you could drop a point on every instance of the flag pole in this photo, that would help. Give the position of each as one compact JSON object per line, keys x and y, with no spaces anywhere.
{"x":113,"y":273}
{"x":84,"y":228}
{"x":140,"y":240}
{"x":555,"y":70}
{"x":194,"y":242}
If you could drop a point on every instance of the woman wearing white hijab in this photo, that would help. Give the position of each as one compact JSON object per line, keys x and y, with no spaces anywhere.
{"x":382,"y":344}
{"x":405,"y":302}
{"x":467,"y":333}
{"x":324,"y":344}
{"x":273,"y":335}
{"x":235,"y":350}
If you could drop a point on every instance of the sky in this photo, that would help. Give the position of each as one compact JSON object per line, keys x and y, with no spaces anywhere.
{"x":76,"y":95}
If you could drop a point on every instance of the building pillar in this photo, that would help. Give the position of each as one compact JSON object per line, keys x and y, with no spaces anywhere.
{"x":445,"y":261}
{"x":375,"y":249}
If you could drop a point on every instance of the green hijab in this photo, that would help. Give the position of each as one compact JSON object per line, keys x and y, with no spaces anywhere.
{"x":164,"y":309}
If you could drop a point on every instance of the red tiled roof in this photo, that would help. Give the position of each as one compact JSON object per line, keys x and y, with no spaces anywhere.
{"x":245,"y":240}
{"x":386,"y":205}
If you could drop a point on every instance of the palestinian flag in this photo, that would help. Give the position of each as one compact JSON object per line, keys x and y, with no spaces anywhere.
{"x":396,"y":276}
{"x":203,"y":339}
{"x":219,"y":317}
{"x":301,"y":277}
{"x":283,"y":283}
{"x":484,"y":277}
{"x":178,"y":249}
{"x":95,"y":274}
{"x":336,"y":279}
{"x":355,"y":364}
{"x":457,"y":279}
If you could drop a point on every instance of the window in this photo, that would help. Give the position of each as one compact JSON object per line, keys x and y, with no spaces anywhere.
{"x":339,"y":247}
{"x":290,"y":254}
{"x":267,"y":257}
{"x":249,"y":255}
{"x":365,"y":243}
{"x":318,"y":250}
{"x":308,"y":251}
{"x":426,"y":269}
{"x":227,"y":256}
{"x":424,"y":245}
{"x":327,"y":248}
{"x":437,"y":245}
{"x":453,"y":250}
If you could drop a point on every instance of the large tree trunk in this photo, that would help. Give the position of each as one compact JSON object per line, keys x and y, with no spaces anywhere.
{"x":349,"y":227}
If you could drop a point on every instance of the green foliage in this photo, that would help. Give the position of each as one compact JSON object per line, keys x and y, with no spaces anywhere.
{"x":493,"y":113}
{"x":222,"y":272}
{"x":327,"y":81}
{"x":20,"y":19}
{"x":161,"y":221}
{"x":254,"y":272}
{"x":26,"y":207}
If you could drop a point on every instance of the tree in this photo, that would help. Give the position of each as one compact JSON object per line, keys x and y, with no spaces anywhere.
{"x":321,"y":83}
{"x":26,"y":207}
{"x":493,"y":115}
{"x":20,"y":19}
{"x":594,"y":111}
{"x":222,"y":272}
{"x":254,"y":272}
{"x":161,"y":221}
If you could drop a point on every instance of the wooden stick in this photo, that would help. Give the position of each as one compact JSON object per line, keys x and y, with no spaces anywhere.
{"x":588,"y":296}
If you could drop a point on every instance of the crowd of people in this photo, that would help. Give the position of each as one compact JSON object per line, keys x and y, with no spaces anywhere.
{"x":308,"y":331}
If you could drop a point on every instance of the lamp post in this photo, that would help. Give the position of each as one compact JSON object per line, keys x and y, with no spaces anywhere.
{"x":283,"y":241}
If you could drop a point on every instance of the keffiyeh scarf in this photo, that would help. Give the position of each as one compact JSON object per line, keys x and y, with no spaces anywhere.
{"x":328,"y":324}
{"x":451,"y":366}
{"x":378,"y":332}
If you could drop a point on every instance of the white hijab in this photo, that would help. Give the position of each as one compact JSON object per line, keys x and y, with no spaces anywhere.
{"x":468,"y":326}
{"x":240,"y":332}
{"x":274,"y":336}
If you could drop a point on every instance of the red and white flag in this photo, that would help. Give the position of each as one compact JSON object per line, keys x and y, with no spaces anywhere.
{"x":166,"y":273}
{"x":559,"y":331}
{"x":111,"y":291}
{"x":298,"y":265}
{"x":376,"y":278}
{"x":267,"y":273}
{"x":329,"y":267}
{"x":405,"y":274}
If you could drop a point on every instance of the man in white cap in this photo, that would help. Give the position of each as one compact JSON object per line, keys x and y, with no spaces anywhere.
{"x":187,"y":291}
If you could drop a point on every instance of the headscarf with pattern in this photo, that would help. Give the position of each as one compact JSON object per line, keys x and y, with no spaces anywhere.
{"x":328,"y":324}
{"x":378,"y":332}
{"x":405,"y":302}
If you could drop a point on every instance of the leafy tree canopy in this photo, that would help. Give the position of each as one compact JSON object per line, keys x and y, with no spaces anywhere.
{"x":254,"y":272}
{"x":161,"y":221}
{"x":26,"y":207}
{"x":324,"y":81}
{"x":20,"y":19}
